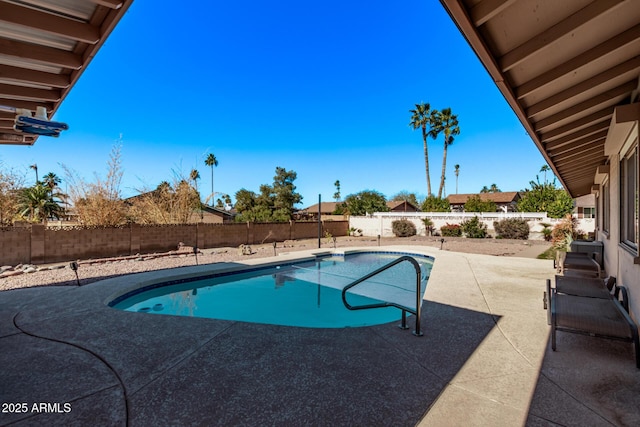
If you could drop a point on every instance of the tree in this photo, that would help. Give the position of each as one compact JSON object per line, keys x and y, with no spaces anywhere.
{"x":167,"y":204}
{"x":273,"y":203}
{"x":336,"y":195}
{"x":435,"y":204}
{"x":457,"y":172}
{"x":556,"y":202}
{"x":405,"y":196}
{"x":285,"y":195}
{"x":545,"y":169}
{"x":494,"y":189}
{"x":39,"y":203}
{"x":484,"y":189}
{"x":10,"y":185}
{"x":51,"y":180}
{"x":35,"y":168}
{"x":476,"y":204}
{"x":99,"y":202}
{"x":212,"y":162}
{"x":446,"y":123}
{"x":365,"y":202}
{"x":422,"y":118}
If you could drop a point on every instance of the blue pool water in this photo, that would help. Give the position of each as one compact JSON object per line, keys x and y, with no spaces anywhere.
{"x":306,"y":294}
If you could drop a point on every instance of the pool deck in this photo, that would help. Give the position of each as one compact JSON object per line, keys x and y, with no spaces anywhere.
{"x":484,"y":360}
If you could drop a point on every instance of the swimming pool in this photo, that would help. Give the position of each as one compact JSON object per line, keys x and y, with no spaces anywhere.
{"x":304,"y":293}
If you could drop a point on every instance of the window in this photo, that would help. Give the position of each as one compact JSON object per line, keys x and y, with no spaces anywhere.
{"x":589,"y":212}
{"x":606,"y":203}
{"x":629,"y":199}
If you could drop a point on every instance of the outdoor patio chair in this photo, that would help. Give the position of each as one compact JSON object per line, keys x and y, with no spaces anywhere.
{"x":602,"y":317}
{"x":581,"y":287}
{"x":580,"y":264}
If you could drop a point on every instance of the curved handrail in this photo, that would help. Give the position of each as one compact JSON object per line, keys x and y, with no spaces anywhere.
{"x":404,"y":309}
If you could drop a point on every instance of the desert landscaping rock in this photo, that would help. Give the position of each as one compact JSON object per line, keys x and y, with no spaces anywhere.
{"x":94,"y":270}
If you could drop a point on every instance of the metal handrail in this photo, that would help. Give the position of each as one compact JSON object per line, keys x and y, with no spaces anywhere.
{"x":404,"y":309}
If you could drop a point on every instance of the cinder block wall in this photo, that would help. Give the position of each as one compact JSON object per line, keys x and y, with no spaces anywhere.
{"x":15,"y":245}
{"x":38,"y":244}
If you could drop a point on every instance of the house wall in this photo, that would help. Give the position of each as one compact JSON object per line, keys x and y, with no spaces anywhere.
{"x":618,"y":260}
{"x":38,"y":244}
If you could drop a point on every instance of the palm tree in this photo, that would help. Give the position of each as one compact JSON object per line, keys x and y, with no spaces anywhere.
{"x":38,"y":203}
{"x":447,"y":123}
{"x":51,"y":180}
{"x":544,"y":169}
{"x":423,"y":117}
{"x":212,"y":162}
{"x":457,"y":172}
{"x":35,"y":168}
{"x":494,"y":189}
{"x":485,"y":189}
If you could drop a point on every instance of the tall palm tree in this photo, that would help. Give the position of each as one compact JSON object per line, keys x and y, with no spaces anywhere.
{"x":51,"y":180}
{"x":35,"y":168}
{"x":195,"y":176}
{"x":544,"y":169}
{"x":494,"y":189}
{"x":485,"y":189}
{"x":422,"y":118}
{"x":457,"y":172}
{"x":212,"y":162}
{"x":446,"y":123}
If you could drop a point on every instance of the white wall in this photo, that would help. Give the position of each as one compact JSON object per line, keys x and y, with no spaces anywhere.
{"x":380,"y":223}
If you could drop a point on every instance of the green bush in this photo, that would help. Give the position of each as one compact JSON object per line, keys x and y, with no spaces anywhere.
{"x":474,"y":228}
{"x":512,"y":228}
{"x":403,"y":228}
{"x":451,"y":230}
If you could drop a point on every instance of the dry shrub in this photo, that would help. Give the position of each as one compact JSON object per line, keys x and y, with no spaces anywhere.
{"x":99,"y":202}
{"x":167,"y":204}
{"x":10,"y":184}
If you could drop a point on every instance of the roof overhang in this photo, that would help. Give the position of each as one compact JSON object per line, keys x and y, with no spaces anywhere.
{"x":563,"y":67}
{"x":45,"y":45}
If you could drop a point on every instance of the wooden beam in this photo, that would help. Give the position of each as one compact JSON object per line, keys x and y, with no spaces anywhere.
{"x":42,"y":54}
{"x":604,"y":97}
{"x":580,"y":162}
{"x":630,"y":66}
{"x":586,"y":132}
{"x":553,"y":34}
{"x":598,"y":150}
{"x":487,"y":9}
{"x":111,"y":4}
{"x":596,"y":53}
{"x":23,"y":75}
{"x":29,"y":105}
{"x":29,"y":93}
{"x":582,"y":143}
{"x":47,"y":22}
{"x":602,"y":117}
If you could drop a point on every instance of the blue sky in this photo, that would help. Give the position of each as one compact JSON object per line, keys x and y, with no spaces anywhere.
{"x":323,"y":88}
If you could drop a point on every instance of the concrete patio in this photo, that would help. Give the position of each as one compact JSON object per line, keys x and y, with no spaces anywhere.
{"x":484,"y":360}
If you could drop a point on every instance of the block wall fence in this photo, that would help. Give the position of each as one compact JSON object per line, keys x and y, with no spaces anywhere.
{"x":38,"y":244}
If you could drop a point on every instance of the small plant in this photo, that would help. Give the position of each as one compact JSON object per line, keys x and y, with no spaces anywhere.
{"x":474,"y":228}
{"x":428,"y":226}
{"x":564,"y":233}
{"x":328,"y":236}
{"x":546,"y":231}
{"x":451,"y":230}
{"x":356,"y":232}
{"x":403,"y":228}
{"x":511,"y":228}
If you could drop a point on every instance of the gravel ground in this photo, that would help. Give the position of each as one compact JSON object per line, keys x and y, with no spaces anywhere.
{"x":93,"y":270}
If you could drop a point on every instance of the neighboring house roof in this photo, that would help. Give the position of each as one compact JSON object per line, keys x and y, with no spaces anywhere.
{"x":499,"y":197}
{"x":402,"y":205}
{"x":325,"y":208}
{"x":45,"y":46}
{"x":586,"y":201}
